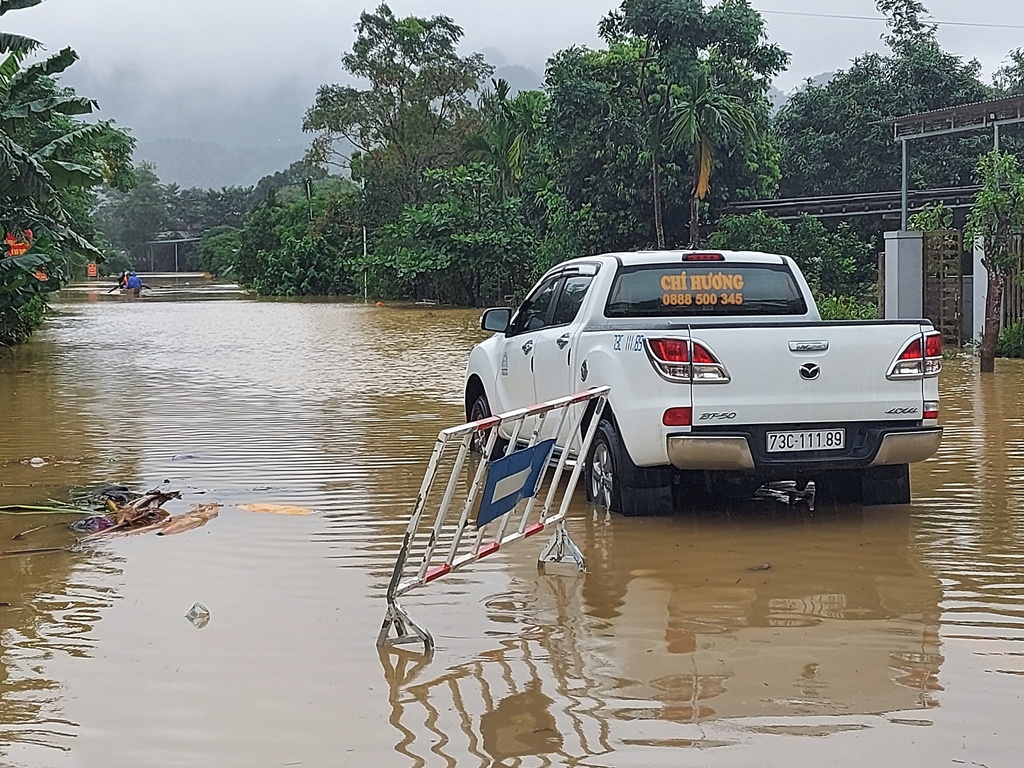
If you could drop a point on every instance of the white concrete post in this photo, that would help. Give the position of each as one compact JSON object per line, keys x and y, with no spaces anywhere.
{"x":904,"y":274}
{"x":980,"y":289}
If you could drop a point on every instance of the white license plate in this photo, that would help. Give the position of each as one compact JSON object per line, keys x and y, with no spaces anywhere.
{"x":807,"y":440}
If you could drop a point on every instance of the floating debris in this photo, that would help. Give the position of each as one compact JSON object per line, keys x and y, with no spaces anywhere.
{"x":93,"y":524}
{"x":36,"y":461}
{"x":276,"y":509}
{"x":197,"y":517}
{"x":199,"y":615}
{"x":34,"y":551}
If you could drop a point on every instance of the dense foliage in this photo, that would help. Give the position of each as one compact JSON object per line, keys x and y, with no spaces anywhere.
{"x":458,"y":189}
{"x":50,"y":161}
{"x":1011,"y":341}
{"x":996,"y":218}
{"x":835,"y":263}
{"x":835,"y":139}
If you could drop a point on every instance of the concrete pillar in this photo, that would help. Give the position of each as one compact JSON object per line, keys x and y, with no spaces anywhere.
{"x":967,"y":321}
{"x":904,"y":275}
{"x":980,"y":293}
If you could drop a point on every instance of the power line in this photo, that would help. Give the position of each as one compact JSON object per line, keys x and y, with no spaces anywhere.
{"x":882,"y":18}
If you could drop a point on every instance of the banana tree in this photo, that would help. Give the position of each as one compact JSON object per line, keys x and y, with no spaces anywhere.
{"x":47,"y":156}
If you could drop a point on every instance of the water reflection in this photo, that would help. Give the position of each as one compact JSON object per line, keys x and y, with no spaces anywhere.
{"x":532,"y":695}
{"x":671,"y":626}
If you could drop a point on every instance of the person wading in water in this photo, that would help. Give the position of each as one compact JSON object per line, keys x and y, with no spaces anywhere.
{"x":134,"y":284}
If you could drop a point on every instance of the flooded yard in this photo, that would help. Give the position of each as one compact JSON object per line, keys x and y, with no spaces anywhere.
{"x":881,"y":636}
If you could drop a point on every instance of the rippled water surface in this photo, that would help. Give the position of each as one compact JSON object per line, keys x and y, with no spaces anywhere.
{"x":886,"y":636}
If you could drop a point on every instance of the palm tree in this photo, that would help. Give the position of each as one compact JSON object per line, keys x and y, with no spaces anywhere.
{"x":511,"y":127}
{"x":701,"y":117}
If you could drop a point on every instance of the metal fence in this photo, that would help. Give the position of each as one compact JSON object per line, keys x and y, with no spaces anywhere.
{"x":492,"y":498}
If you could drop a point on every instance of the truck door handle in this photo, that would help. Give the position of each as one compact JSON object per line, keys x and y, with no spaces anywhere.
{"x":528,"y":347}
{"x":562,"y":340}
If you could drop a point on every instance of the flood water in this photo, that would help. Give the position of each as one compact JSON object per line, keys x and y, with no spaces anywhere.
{"x":886,"y":636}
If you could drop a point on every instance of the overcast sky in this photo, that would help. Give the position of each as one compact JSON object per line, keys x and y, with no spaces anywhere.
{"x":243,"y":71}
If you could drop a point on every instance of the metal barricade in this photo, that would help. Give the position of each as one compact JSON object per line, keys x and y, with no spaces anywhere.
{"x":502,"y":490}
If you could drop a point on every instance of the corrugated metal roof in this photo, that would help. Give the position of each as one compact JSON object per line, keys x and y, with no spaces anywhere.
{"x":964,"y":110}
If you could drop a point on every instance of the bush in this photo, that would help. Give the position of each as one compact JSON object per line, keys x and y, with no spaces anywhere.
{"x":16,"y":325}
{"x":835,"y":262}
{"x":846,"y":308}
{"x":1011,"y":341}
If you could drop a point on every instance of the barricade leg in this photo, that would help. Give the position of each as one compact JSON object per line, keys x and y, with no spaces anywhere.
{"x":406,"y":629}
{"x":560,"y":547}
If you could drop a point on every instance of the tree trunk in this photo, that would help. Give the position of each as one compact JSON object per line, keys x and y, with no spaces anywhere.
{"x":694,"y":221}
{"x":993,"y":311}
{"x":659,"y":224}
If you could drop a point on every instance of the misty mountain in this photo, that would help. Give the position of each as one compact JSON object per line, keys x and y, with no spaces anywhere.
{"x":192,"y":163}
{"x":779,"y":98}
{"x":519,"y":78}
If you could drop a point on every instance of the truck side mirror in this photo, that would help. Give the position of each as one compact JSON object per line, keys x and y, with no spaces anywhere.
{"x":496,"y":319}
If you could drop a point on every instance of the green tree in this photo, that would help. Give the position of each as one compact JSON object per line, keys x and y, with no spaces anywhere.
{"x":835,"y":263}
{"x":133,"y":217}
{"x":468,"y":245}
{"x":835,"y":139}
{"x":294,"y":246}
{"x":200,"y":209}
{"x":1009,"y":78}
{"x":509,"y":134}
{"x":931,"y":218}
{"x":695,"y":62}
{"x":412,"y":116}
{"x":701,"y":117}
{"x":595,"y":139}
{"x":995,"y":218}
{"x":295,"y":174}
{"x":608,"y":125}
{"x":218,"y":250}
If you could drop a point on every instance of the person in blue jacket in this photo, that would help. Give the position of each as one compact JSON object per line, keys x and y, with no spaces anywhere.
{"x":134,"y":284}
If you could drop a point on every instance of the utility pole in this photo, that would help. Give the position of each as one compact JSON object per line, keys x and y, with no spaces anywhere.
{"x":362,"y":189}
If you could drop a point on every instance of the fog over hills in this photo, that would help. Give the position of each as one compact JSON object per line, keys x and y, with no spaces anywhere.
{"x":204,"y":164}
{"x":210,"y":136}
{"x":242,"y":73}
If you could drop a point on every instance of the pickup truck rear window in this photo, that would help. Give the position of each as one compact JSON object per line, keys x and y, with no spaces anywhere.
{"x":711,"y":289}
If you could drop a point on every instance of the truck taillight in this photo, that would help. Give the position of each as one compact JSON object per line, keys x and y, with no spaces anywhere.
{"x":670,"y":350}
{"x":678,"y":417}
{"x":685,"y":360}
{"x":931,"y":409}
{"x":921,"y":357}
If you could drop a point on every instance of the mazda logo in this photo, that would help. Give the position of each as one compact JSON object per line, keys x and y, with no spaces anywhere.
{"x":809,"y":371}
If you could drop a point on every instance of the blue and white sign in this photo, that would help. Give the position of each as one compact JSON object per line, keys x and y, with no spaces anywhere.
{"x":511,"y":479}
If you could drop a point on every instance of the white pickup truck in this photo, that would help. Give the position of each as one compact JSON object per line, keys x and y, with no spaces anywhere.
{"x":723,"y":377}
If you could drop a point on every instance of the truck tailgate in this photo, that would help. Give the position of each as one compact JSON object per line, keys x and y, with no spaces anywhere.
{"x":797,"y":373}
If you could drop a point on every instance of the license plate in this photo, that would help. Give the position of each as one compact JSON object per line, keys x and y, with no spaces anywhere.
{"x":807,"y":440}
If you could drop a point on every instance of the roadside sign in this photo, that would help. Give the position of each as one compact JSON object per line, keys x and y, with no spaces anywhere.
{"x":18,"y":246}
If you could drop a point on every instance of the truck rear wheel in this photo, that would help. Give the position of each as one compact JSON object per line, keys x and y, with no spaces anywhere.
{"x":872,"y":487}
{"x":614,"y":482}
{"x":887,"y":485}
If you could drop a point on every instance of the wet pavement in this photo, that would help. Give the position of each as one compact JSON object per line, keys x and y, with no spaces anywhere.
{"x":878,"y":636}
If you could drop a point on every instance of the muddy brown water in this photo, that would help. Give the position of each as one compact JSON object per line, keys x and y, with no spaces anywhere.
{"x":890,"y":636}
